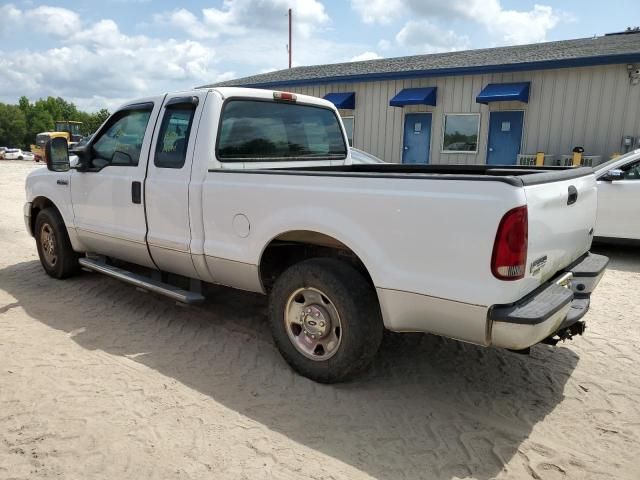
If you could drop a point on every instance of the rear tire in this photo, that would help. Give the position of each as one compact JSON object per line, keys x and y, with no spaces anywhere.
{"x":54,"y":247}
{"x":325,"y":319}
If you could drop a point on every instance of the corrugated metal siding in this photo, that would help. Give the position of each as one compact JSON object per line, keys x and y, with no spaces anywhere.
{"x":590,"y":106}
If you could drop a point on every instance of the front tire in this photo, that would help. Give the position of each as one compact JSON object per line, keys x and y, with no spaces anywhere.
{"x":54,"y":247}
{"x":325,"y":319}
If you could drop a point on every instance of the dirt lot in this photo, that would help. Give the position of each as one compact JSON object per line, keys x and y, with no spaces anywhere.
{"x":98,"y":380}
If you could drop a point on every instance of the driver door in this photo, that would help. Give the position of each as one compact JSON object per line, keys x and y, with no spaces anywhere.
{"x":108,"y":198}
{"x":619,"y":205}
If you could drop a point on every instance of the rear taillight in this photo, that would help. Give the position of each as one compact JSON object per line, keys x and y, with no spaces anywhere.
{"x":509,"y":258}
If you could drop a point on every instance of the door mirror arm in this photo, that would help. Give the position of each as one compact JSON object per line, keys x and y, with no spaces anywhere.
{"x":84,"y":155}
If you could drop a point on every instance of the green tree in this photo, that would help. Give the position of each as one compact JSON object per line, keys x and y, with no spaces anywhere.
{"x":96,"y":119}
{"x":24,"y":105}
{"x":13,"y":125}
{"x":38,"y":121}
{"x":19,"y":124}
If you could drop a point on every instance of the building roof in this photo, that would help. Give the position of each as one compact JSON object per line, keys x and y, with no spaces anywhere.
{"x":609,"y":49}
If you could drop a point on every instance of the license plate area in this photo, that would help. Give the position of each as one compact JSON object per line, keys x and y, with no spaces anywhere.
{"x":565,"y":280}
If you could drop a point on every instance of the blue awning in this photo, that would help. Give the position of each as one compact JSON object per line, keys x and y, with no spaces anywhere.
{"x":504,"y":92}
{"x":345,"y":100}
{"x":414,"y":96}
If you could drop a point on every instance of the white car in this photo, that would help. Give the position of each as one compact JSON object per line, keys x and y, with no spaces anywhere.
{"x":257,"y":190}
{"x":17,"y":154}
{"x":619,"y":197}
{"x":360,"y":157}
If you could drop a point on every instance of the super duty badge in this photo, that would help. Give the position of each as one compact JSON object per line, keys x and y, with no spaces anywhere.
{"x":537,"y":265}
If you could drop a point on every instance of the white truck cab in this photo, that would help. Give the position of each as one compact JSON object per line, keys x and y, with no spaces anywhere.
{"x":255,"y":189}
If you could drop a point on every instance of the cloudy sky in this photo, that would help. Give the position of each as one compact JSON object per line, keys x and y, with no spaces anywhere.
{"x":99,"y":54}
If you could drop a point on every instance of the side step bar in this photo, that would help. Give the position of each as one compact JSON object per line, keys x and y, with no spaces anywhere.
{"x":142,"y":282}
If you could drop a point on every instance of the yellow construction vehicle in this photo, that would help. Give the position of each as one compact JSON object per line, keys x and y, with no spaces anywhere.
{"x":68,"y":129}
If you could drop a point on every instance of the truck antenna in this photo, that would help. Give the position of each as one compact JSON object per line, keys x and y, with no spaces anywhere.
{"x":289,"y":44}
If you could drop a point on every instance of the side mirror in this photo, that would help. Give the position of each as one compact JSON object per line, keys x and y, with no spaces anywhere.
{"x":613,"y":175}
{"x":57,"y":155}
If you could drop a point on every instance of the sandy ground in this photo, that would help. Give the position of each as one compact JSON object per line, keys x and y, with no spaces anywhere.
{"x":98,"y":380}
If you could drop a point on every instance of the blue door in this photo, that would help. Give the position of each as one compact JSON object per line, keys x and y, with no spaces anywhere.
{"x":505,"y":137}
{"x":417,"y":138}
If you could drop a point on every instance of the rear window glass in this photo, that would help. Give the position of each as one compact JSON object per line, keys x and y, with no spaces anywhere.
{"x":171,"y":149}
{"x":269,"y":131}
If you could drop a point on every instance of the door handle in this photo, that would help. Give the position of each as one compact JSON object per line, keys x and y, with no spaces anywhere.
{"x":573,"y":195}
{"x":406,"y":148}
{"x":491,"y":149}
{"x":136,"y":192}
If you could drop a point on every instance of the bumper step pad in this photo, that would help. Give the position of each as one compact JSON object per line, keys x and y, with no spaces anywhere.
{"x":535,"y":309}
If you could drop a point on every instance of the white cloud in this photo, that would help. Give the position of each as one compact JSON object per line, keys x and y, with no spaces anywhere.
{"x":187,"y":21}
{"x":423,"y":36}
{"x":517,"y":27}
{"x":507,"y":25}
{"x":54,"y":20}
{"x":240,"y":17}
{"x":97,"y":65}
{"x":384,"y":45}
{"x":378,"y":11}
{"x":365,"y":56}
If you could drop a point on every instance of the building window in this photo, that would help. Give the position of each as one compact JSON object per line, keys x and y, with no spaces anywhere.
{"x":461,"y":131}
{"x":349,"y":123}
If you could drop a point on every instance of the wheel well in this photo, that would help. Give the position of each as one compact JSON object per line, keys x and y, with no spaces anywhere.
{"x":38,"y":204}
{"x":293,"y":247}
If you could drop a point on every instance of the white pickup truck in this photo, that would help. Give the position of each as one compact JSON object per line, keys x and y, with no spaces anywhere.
{"x":256,"y":190}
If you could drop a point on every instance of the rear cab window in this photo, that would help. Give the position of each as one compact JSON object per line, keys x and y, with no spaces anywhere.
{"x":258,"y":130}
{"x":171,"y":148}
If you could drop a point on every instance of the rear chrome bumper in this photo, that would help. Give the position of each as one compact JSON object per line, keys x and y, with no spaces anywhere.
{"x":549,"y":310}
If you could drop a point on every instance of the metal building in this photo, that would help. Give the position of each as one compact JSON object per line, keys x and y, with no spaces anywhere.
{"x":487,"y":105}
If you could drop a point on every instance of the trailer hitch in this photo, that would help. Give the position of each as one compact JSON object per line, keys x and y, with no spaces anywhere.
{"x":566,"y":333}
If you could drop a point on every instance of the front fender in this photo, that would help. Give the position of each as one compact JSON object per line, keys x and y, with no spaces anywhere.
{"x":44,"y":187}
{"x":53,"y":186}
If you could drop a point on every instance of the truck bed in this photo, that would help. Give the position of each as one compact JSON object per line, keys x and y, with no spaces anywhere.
{"x":514,"y":175}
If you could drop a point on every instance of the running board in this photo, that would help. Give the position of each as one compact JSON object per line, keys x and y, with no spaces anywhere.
{"x":142,"y":282}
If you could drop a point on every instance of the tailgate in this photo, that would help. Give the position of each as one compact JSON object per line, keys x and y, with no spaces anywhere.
{"x":562,"y":215}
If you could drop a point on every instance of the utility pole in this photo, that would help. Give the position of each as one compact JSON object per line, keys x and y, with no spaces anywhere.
{"x":289,"y":46}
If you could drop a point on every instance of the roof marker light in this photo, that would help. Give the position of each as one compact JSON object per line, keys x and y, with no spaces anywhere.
{"x":286,"y":96}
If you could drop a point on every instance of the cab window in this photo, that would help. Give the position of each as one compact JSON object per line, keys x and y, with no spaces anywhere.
{"x":173,"y":139}
{"x":632,"y":172}
{"x":121,"y":143}
{"x":257,"y":130}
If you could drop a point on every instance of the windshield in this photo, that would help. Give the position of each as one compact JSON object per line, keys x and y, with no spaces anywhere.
{"x":73,"y":128}
{"x":253,"y":130}
{"x":607,"y":164}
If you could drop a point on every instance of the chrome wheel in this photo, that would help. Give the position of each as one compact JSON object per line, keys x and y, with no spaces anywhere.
{"x":48,"y":243}
{"x":313,"y":324}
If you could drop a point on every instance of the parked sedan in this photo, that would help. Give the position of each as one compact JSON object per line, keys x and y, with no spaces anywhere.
{"x":619,"y":197}
{"x":17,"y":154}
